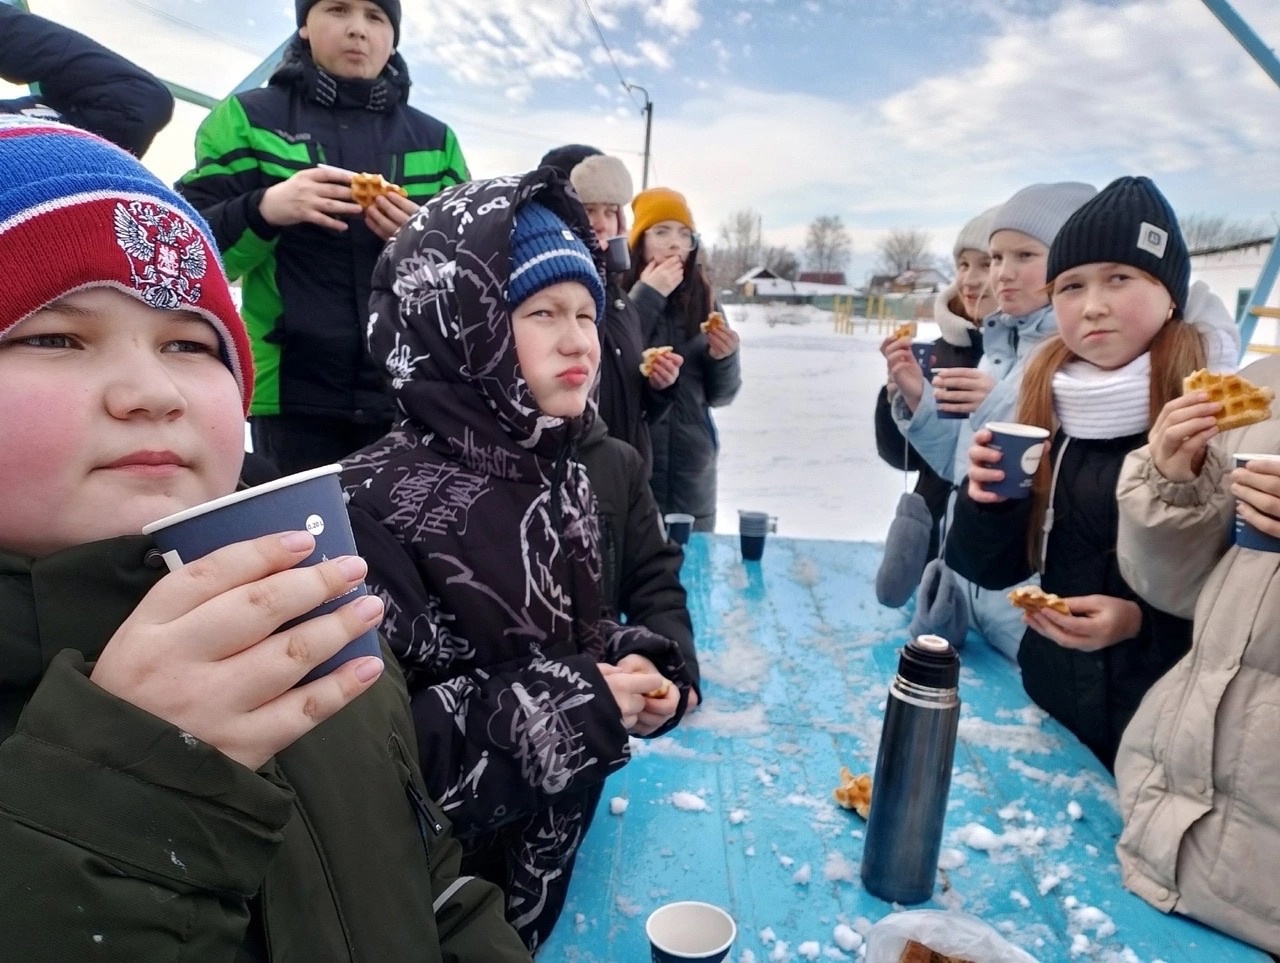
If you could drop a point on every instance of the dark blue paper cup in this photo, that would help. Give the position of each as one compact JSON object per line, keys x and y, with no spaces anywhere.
{"x":679,"y":527}
{"x":922,"y":351}
{"x":753,"y":527}
{"x":309,"y":501}
{"x":1246,"y":535}
{"x":944,"y":415}
{"x":689,"y":930}
{"x":1021,"y":447}
{"x":617,"y":254}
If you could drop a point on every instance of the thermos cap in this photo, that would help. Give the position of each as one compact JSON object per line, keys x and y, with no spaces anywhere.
{"x":930,"y":661}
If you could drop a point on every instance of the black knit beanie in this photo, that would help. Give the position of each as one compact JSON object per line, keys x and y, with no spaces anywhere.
{"x":390,"y":7}
{"x":566,"y":158}
{"x":1127,"y":222}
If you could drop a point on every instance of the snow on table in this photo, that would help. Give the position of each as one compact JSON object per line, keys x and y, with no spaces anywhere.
{"x":735,"y":807}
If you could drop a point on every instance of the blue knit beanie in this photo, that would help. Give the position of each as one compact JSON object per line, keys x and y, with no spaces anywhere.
{"x":545,"y":251}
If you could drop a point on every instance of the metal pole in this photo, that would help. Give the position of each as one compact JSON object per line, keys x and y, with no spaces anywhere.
{"x":647,"y":110}
{"x":648,"y":136}
{"x":1252,"y":43}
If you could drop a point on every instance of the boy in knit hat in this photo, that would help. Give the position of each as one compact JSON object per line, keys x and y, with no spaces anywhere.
{"x":641,"y":567}
{"x":156,"y":759}
{"x":273,"y":175}
{"x":480,"y":530}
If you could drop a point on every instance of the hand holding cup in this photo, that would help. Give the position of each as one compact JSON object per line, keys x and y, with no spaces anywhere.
{"x":1255,"y":484}
{"x":202,"y":650}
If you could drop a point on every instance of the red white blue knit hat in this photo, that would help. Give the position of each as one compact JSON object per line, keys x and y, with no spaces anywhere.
{"x":77,"y":212}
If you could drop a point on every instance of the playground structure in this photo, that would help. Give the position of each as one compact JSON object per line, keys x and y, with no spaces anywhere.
{"x":885,"y":312}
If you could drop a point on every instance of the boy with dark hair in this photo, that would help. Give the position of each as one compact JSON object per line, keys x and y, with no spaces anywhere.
{"x":273,"y":175}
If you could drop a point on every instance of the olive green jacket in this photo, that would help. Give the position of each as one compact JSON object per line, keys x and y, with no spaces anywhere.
{"x":122,"y":838}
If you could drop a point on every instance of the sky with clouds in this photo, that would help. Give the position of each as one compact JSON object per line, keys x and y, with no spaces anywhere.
{"x":888,"y":113}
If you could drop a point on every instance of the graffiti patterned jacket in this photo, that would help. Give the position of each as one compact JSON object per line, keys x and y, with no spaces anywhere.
{"x":481,"y":535}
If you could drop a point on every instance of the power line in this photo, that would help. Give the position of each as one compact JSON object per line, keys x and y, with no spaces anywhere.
{"x":605,"y":43}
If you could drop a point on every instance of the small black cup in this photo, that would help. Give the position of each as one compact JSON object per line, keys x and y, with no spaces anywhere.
{"x":752,"y":547}
{"x":617,"y":255}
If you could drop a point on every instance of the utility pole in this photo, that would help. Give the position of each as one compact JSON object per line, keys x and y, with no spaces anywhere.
{"x":647,"y":110}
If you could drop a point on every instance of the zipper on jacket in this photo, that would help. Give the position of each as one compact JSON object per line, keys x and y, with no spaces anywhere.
{"x":425,"y":819}
{"x":558,"y":473}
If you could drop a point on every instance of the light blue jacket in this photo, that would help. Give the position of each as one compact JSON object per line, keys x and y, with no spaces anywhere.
{"x":1007,"y":342}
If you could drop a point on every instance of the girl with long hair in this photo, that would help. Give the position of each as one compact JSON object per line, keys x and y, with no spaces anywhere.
{"x":671,"y":290}
{"x":1118,"y":273}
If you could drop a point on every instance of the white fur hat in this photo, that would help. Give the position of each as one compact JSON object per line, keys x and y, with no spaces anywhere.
{"x":602,"y":180}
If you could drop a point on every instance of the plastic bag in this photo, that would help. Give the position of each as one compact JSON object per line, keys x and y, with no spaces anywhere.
{"x":955,"y":934}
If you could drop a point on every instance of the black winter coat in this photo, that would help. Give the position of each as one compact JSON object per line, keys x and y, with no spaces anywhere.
{"x":628,"y":404}
{"x":481,"y":535}
{"x":640,"y":568}
{"x":1094,"y":694}
{"x":306,"y":288}
{"x":81,"y":82}
{"x":896,"y":452}
{"x":685,"y":443}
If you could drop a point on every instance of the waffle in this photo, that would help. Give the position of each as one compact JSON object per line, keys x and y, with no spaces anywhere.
{"x":1243,"y":403}
{"x":854,"y":792}
{"x":914,"y":952}
{"x":1032,"y":598}
{"x":905,"y":330}
{"x":650,"y":356}
{"x":715,"y":320}
{"x":367,"y":188}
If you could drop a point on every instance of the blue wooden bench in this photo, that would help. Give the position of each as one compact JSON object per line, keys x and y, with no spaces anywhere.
{"x":736,"y":806}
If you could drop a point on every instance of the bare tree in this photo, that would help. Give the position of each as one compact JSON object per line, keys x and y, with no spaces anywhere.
{"x":827,"y":247}
{"x":781,"y":260}
{"x":1205,"y":231}
{"x":739,"y":247}
{"x":904,"y":248}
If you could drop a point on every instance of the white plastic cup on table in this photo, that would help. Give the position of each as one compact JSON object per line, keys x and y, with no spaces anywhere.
{"x":679,"y":527}
{"x":309,"y":501}
{"x":690,"y":930}
{"x":1021,"y":447}
{"x":753,"y":527}
{"x":1246,"y":535}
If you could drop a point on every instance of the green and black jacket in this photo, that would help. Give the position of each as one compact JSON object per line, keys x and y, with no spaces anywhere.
{"x":306,"y":288}
{"x":124,"y":839}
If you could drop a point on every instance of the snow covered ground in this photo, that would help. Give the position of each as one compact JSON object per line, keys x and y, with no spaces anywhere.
{"x":799,"y":441}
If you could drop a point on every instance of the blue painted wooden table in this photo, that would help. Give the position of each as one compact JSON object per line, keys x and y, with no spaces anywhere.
{"x":736,"y":808}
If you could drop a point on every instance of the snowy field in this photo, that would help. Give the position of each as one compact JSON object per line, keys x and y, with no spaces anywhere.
{"x":799,"y":441}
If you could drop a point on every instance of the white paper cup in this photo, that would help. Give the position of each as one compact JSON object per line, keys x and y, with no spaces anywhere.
{"x":689,"y":930}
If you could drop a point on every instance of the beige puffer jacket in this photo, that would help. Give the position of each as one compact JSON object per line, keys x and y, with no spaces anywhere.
{"x":1197,"y":770}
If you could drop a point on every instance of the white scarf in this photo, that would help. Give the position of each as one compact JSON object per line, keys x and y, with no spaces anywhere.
{"x":1093,"y":403}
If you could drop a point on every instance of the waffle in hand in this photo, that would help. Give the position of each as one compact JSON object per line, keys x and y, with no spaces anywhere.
{"x":651,"y":355}
{"x":1032,"y":598}
{"x":854,"y":792}
{"x":904,"y":330}
{"x":1243,"y":403}
{"x":715,"y":320}
{"x":367,"y":188}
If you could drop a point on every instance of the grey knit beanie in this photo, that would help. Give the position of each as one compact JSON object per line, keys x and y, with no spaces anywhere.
{"x":1041,"y":209}
{"x":975,"y":235}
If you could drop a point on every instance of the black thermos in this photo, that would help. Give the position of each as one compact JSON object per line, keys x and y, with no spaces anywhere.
{"x":913,"y":773}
